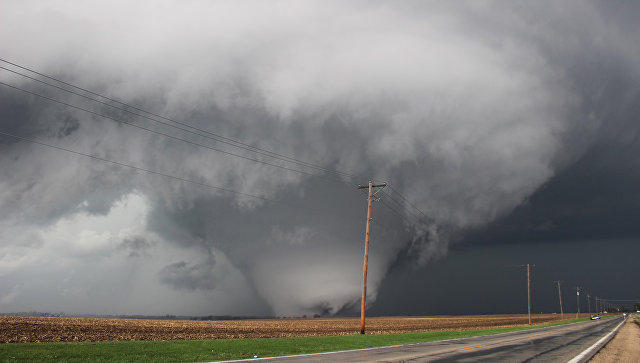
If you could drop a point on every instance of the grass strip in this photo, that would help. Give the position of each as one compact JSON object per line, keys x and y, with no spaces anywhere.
{"x":224,"y":349}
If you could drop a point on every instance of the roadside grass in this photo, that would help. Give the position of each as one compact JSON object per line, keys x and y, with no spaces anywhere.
{"x":225,"y":349}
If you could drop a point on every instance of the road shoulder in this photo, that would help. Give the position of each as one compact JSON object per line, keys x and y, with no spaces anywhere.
{"x":624,"y":347}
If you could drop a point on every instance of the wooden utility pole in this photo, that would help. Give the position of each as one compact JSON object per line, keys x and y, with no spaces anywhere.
{"x":589,"y":303}
{"x":597,"y":310}
{"x":363,"y":306}
{"x":529,"y":266}
{"x":560,"y":297}
{"x":529,"y":291}
{"x":578,"y":301}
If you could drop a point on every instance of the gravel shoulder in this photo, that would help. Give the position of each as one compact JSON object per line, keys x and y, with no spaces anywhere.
{"x":624,"y":347}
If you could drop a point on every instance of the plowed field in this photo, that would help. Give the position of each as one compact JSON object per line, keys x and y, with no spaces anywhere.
{"x":31,"y":329}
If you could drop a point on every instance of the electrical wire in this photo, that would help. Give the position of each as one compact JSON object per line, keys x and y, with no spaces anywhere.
{"x":199,"y":131}
{"x":163,"y":133}
{"x":189,"y":142}
{"x":407,"y":201}
{"x":403,"y":216}
{"x":212,"y":135}
{"x":399,"y":214}
{"x":165,"y":175}
{"x":414,"y":218}
{"x":94,"y":157}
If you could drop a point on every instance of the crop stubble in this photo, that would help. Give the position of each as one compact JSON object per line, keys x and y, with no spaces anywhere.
{"x":15,"y":329}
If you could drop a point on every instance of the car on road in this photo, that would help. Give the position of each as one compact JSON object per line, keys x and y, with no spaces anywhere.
{"x":595,"y":317}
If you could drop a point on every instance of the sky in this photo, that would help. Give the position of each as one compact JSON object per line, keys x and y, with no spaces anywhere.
{"x":510,"y":127}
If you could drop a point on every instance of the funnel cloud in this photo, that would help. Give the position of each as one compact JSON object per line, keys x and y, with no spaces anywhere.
{"x":468,"y":109}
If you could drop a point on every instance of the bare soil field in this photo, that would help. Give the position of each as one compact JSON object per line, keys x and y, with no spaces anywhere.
{"x":15,"y":329}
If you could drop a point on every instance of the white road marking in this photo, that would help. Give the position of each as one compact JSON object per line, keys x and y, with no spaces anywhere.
{"x":397,"y":345}
{"x":589,"y":350}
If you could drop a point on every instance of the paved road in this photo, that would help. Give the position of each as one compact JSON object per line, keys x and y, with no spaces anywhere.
{"x":553,"y":344}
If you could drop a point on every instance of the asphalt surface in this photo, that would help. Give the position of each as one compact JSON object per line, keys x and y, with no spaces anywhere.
{"x":552,"y":344}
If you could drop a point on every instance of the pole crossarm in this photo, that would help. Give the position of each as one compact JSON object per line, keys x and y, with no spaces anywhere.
{"x":373,"y":185}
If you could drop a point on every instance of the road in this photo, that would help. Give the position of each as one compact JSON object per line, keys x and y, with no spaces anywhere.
{"x":551,"y":344}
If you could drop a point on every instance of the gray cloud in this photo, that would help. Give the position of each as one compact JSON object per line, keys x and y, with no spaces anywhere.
{"x":467,"y":108}
{"x":181,"y":275}
{"x":136,"y":246}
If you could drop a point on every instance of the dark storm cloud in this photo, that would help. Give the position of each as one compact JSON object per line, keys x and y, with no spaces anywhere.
{"x":596,"y":197}
{"x":136,"y":246}
{"x":469,"y":108}
{"x":26,"y":117}
{"x":182,"y":275}
{"x":488,"y":279}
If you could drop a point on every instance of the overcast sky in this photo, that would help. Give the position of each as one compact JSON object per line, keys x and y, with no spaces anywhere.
{"x":513,"y":126}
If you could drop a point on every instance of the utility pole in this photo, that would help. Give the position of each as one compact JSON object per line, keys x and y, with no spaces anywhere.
{"x":560,"y":297}
{"x":371,"y":186}
{"x":529,"y":266}
{"x":597,"y":310}
{"x":589,"y":303}
{"x":578,"y":301}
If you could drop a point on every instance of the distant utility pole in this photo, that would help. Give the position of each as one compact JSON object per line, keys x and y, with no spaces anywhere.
{"x":589,"y":303}
{"x":578,"y":301}
{"x":529,"y":266}
{"x":597,"y":310}
{"x":371,"y":186}
{"x":560,"y":297}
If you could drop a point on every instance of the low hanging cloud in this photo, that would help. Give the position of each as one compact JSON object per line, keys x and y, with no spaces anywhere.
{"x":466,"y":108}
{"x":182,"y":275}
{"x":136,"y":246}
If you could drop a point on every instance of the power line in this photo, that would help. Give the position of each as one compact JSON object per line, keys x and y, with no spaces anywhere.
{"x":392,"y":209}
{"x":168,"y":176}
{"x":94,"y":157}
{"x":198,"y":131}
{"x":402,"y":215}
{"x":135,"y":113}
{"x":214,"y":136}
{"x":162,"y":133}
{"x":415,"y":218}
{"x":384,"y":226}
{"x":407,"y":201}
